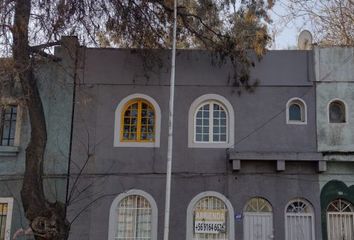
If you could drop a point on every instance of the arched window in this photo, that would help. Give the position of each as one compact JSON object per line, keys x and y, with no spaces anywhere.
{"x":211,"y":122}
{"x":258,"y":219}
{"x":340,"y":220}
{"x":299,"y":220}
{"x":133,"y":216}
{"x":210,"y":216}
{"x":296,"y":112}
{"x":137,"y":122}
{"x":337,"y":111}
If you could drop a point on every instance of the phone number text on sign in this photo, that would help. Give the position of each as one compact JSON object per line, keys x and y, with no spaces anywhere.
{"x":209,"y":227}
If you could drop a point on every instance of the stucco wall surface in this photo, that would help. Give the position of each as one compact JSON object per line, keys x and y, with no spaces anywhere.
{"x":103,"y":171}
{"x":334,"y":64}
{"x":335,"y":80}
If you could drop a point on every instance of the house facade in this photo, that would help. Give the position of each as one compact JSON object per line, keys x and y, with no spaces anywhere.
{"x":274,"y":163}
{"x":249,"y":165}
{"x":55,"y":81}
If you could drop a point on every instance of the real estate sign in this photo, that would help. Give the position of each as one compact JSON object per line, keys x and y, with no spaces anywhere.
{"x":209,"y":221}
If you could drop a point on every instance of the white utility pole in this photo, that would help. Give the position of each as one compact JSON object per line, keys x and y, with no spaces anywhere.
{"x":170,"y":127}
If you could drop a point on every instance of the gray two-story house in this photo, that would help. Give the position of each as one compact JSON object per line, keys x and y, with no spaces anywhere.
{"x":249,"y":165}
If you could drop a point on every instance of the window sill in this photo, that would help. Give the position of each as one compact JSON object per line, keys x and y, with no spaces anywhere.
{"x":138,"y":144}
{"x":210,"y":145}
{"x":292,"y":122}
{"x":9,"y":151}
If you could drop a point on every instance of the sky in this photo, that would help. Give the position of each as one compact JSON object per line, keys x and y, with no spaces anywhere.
{"x":286,"y":34}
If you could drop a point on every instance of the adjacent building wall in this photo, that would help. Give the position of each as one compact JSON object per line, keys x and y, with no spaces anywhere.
{"x":334,"y":68}
{"x":56,"y":81}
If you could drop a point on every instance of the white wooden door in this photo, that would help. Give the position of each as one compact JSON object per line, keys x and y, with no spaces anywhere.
{"x":299,"y":226}
{"x":258,"y":226}
{"x":340,"y":225}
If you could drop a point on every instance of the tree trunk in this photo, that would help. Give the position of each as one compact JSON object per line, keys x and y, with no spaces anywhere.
{"x":47,"y":220}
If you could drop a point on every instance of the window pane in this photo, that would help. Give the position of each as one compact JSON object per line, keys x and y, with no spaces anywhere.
{"x":202,"y":124}
{"x":8,"y":125}
{"x":336,"y":112}
{"x":198,"y":130}
{"x":295,"y":112}
{"x":219,"y":123}
{"x":223,"y":130}
{"x":198,"y":137}
{"x":205,"y":138}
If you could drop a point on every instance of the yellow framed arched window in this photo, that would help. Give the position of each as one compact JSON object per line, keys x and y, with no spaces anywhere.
{"x":138,"y":122}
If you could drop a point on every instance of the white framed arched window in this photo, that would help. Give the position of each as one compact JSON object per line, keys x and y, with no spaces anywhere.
{"x":210,"y":216}
{"x":296,"y":111}
{"x":340,"y":220}
{"x":258,"y":219}
{"x":299,"y":220}
{"x":211,"y":122}
{"x":133,"y":216}
{"x":337,"y":111}
{"x":137,"y":122}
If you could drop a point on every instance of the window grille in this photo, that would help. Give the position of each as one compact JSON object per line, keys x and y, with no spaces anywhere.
{"x":3,"y":216}
{"x":299,"y":220}
{"x":8,"y":125}
{"x":258,"y":205}
{"x":134,"y":218}
{"x":258,"y":219}
{"x":211,"y":203}
{"x":340,"y":220}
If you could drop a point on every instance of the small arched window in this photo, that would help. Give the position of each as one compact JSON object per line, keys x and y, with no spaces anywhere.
{"x":138,"y":122}
{"x":296,"y":111}
{"x":337,"y":112}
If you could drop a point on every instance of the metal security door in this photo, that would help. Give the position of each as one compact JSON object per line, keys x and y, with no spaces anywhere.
{"x":340,"y":225}
{"x":258,"y":226}
{"x":299,"y":227}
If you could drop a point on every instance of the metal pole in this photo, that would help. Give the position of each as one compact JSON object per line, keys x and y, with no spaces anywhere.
{"x":170,"y":128}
